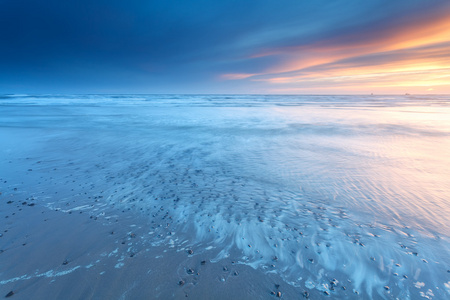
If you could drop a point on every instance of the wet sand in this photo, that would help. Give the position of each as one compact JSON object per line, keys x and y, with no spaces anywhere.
{"x":51,"y":254}
{"x":245,"y":202}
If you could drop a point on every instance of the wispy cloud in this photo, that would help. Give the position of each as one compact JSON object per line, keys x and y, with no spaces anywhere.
{"x":224,"y":46}
{"x":414,"y":54}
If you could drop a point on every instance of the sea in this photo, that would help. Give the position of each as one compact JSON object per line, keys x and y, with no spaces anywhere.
{"x":341,"y":196}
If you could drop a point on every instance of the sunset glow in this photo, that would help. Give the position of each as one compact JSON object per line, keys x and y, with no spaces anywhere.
{"x":262,"y":47}
{"x":411,"y":58}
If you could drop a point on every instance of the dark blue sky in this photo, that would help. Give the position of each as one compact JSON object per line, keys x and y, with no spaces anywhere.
{"x":145,"y":46}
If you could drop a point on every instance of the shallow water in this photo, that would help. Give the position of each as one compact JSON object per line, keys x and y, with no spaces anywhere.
{"x":326,"y":191}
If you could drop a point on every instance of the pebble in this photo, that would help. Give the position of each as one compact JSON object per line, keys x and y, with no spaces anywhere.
{"x":181,"y":282}
{"x":386,"y":288}
{"x":190,"y":251}
{"x":326,"y":293}
{"x":65,"y":262}
{"x":279,"y":294}
{"x":9,"y":294}
{"x":334,"y":282}
{"x":203,"y":262}
{"x":306,"y":294}
{"x":190,"y":271}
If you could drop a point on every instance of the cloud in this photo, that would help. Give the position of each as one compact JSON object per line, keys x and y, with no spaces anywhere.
{"x":142,"y":45}
{"x":414,"y":54}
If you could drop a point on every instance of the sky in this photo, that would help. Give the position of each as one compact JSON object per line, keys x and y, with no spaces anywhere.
{"x":225,"y":46}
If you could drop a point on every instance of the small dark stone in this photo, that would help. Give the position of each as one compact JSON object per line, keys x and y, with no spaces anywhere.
{"x":203,"y":262}
{"x":235,"y":273}
{"x":9,"y":202}
{"x":181,"y":282}
{"x":65,"y":262}
{"x":404,"y":276}
{"x":305,"y":294}
{"x":386,"y":288}
{"x":275,"y":258}
{"x":344,"y":288}
{"x":327,"y":293}
{"x":9,"y":294}
{"x":190,"y":251}
{"x":190,"y":271}
{"x":132,"y":235}
{"x":31,"y":204}
{"x":277,"y":286}
{"x":279,"y":294}
{"x":225,"y":269}
{"x":311,"y":260}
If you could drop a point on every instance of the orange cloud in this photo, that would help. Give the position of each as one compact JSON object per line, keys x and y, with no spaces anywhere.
{"x":235,"y":76}
{"x":414,"y":54}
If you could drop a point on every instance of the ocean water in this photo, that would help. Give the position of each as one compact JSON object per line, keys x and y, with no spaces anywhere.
{"x":342,"y":195}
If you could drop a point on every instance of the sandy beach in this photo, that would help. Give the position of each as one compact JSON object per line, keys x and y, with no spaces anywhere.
{"x":232,"y":198}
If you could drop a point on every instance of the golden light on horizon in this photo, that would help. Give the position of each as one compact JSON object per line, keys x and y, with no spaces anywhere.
{"x":414,"y":54}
